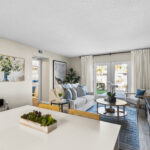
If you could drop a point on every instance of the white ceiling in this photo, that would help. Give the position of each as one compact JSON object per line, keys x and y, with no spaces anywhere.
{"x":77,"y":27}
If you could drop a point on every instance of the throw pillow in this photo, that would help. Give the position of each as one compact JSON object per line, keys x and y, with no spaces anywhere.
{"x":74,"y":93}
{"x":84,"y":89}
{"x":75,"y":85}
{"x":80,"y":91}
{"x":66,"y":86}
{"x":68,"y":94}
{"x":139,"y":92}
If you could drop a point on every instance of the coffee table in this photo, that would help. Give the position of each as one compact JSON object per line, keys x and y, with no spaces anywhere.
{"x":61,"y":103}
{"x":118,"y":112}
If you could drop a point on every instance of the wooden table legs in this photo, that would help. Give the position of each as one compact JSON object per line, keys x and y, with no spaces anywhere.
{"x":118,"y":113}
{"x":97,"y":108}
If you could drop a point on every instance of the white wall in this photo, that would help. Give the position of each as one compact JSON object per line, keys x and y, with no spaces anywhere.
{"x":45,"y":79}
{"x":75,"y":63}
{"x":20,"y":93}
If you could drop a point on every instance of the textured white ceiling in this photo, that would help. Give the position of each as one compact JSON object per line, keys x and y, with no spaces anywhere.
{"x":77,"y":27}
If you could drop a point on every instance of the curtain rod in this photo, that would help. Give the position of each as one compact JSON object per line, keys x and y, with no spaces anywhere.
{"x":112,"y":53}
{"x":108,"y":53}
{"x":117,"y":52}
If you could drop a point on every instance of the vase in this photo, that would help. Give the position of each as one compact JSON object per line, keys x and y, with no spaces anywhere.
{"x":112,"y":99}
{"x":5,"y":76}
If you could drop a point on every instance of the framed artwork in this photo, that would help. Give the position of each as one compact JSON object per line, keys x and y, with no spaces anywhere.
{"x":59,"y":72}
{"x":11,"y":69}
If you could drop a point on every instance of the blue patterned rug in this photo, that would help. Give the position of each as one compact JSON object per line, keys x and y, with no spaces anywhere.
{"x":129,"y":135}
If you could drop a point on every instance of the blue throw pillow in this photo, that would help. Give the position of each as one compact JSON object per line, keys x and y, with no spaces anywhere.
{"x":85,"y":89}
{"x":139,"y":92}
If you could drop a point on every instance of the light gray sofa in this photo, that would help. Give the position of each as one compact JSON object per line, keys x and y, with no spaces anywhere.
{"x":81,"y":103}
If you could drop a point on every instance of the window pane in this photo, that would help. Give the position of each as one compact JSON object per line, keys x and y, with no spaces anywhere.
{"x":121,"y":71}
{"x":101,"y":79}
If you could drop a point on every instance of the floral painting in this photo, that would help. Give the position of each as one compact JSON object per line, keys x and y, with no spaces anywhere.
{"x":11,"y":69}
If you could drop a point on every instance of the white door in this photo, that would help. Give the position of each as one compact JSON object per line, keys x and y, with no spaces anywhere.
{"x":102,"y":75}
{"x":117,"y":73}
{"x":121,"y":77}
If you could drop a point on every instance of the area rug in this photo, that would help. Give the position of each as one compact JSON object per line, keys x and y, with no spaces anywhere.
{"x":129,"y":133}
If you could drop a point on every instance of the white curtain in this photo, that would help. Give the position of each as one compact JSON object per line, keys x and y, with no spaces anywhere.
{"x":87,"y":72}
{"x":140,"y":60}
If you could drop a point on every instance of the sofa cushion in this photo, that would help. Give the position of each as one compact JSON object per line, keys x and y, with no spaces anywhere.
{"x":80,"y":102}
{"x":134,"y":100}
{"x":89,"y":97}
{"x":147,"y":93}
{"x":74,"y":93}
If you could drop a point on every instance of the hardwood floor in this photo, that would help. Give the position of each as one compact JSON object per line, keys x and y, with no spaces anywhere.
{"x":144,"y":131}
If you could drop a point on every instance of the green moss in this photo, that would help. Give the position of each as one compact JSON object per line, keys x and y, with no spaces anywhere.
{"x":36,"y":116}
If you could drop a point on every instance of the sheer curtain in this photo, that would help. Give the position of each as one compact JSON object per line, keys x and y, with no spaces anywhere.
{"x":140,"y":60}
{"x":87,"y":72}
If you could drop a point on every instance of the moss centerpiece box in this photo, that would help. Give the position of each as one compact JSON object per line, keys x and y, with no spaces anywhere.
{"x":44,"y":123}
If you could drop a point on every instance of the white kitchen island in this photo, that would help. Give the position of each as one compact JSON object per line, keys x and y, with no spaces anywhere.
{"x":72,"y":133}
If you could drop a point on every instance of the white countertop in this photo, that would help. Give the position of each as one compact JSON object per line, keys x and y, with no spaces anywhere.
{"x":72,"y":133}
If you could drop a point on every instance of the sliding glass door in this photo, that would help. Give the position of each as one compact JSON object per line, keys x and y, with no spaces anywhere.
{"x":121,"y":77}
{"x":117,"y":73}
{"x":102,"y":77}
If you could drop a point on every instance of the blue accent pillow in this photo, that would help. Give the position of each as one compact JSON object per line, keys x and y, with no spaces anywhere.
{"x":139,"y":92}
{"x":85,"y":89}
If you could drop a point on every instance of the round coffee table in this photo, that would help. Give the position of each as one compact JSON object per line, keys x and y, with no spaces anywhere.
{"x":117,"y":111}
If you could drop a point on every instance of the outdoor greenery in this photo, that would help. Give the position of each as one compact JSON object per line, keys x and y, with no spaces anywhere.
{"x":36,"y":116}
{"x":101,"y":91}
{"x":7,"y":64}
{"x":72,"y":77}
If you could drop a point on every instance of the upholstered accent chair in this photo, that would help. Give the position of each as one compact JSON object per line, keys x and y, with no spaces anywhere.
{"x":138,"y":102}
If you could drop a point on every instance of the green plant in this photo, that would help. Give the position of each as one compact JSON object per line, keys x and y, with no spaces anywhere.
{"x":111,"y":94}
{"x":36,"y":116}
{"x":72,"y":77}
{"x":60,"y":94}
{"x":7,"y":64}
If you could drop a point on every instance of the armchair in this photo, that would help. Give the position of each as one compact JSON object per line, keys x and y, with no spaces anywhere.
{"x":137,"y":101}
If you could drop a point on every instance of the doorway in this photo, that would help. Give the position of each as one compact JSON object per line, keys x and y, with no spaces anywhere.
{"x":40,"y":80}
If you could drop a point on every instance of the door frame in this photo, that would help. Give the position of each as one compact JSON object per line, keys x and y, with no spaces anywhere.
{"x":111,"y":73}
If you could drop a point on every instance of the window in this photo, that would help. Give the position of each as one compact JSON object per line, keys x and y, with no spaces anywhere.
{"x":117,"y":73}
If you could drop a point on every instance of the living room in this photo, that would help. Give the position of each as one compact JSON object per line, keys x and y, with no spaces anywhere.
{"x":77,"y":69}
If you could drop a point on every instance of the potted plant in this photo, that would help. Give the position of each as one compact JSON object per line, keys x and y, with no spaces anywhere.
{"x":7,"y":65}
{"x":72,"y":77}
{"x":60,"y":95}
{"x":112,"y":95}
{"x":36,"y":120}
